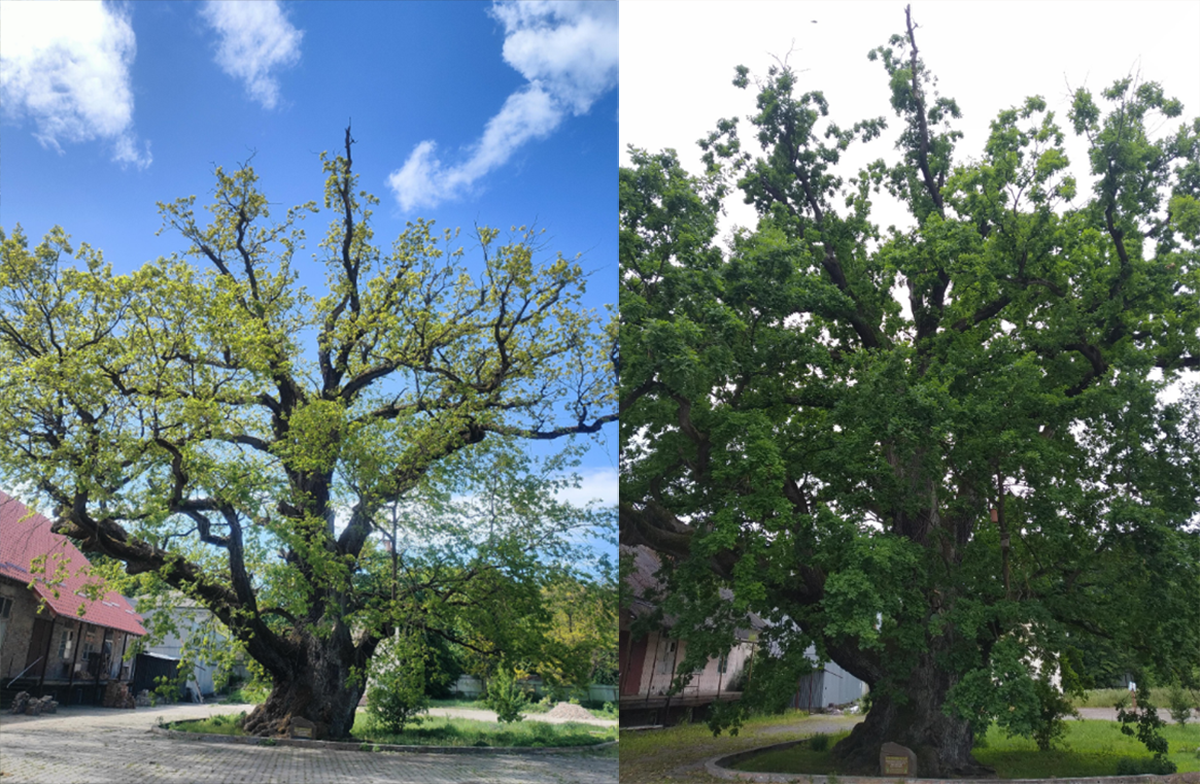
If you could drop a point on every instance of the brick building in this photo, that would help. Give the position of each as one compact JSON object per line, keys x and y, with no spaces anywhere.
{"x":53,"y":638}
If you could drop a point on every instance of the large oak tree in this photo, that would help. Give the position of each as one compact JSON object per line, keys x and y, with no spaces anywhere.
{"x":936,"y":454}
{"x":207,"y":420}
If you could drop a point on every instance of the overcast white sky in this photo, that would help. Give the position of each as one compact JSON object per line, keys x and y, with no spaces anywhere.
{"x":677,"y":62}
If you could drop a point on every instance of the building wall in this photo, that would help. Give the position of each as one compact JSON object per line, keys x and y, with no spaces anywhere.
{"x":18,"y":628}
{"x":830,"y":685}
{"x":663,"y":656}
{"x":18,"y":635}
{"x":189,"y":621}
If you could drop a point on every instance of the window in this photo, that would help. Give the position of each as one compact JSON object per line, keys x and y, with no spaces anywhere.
{"x":65,"y":642}
{"x":5,"y":607}
{"x":723,"y":664}
{"x":666,"y":663}
{"x":89,"y":644}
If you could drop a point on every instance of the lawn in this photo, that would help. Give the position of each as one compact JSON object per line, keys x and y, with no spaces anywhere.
{"x":676,"y":754}
{"x":1093,"y":748}
{"x":443,"y":731}
{"x":1108,"y":698}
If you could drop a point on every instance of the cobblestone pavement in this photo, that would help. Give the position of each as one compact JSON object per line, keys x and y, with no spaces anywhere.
{"x":81,"y":745}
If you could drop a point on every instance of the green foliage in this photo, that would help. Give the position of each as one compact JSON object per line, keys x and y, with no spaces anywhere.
{"x":820,"y":418}
{"x":1180,"y":703}
{"x":447,"y":731}
{"x":396,"y":696}
{"x":1148,"y":725}
{"x":1135,"y":766}
{"x":170,"y":689}
{"x":505,"y":696}
{"x":1053,"y":707}
{"x":214,"y":429}
{"x":818,"y":742}
{"x":221,"y":724}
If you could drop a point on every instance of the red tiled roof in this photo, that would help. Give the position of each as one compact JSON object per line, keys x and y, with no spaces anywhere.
{"x":23,"y":540}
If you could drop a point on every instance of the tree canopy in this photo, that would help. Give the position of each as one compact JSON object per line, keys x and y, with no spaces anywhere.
{"x":935,"y":453}
{"x":208,"y":420}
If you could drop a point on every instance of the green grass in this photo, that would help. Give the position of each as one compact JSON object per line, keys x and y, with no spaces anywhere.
{"x":1108,"y":698}
{"x":799,"y":758}
{"x":458,"y":702}
{"x":224,"y":724}
{"x":1093,"y":748}
{"x":682,"y":736}
{"x":245,"y":695}
{"x":443,"y":731}
{"x":446,"y":731}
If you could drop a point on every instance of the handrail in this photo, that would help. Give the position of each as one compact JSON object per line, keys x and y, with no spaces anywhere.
{"x":22,"y":672}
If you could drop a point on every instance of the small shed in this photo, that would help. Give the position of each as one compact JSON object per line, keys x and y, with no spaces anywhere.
{"x":825,"y":686}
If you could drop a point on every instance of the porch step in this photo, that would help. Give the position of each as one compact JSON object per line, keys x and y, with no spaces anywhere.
{"x":86,"y":691}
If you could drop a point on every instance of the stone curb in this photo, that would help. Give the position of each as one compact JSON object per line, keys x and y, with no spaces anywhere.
{"x":351,"y":746}
{"x":717,"y":766}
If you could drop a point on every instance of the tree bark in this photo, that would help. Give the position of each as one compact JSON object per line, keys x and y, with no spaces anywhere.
{"x":915,"y":720}
{"x":319,"y":686}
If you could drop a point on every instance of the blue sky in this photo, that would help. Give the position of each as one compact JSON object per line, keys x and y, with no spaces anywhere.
{"x":466,"y":113}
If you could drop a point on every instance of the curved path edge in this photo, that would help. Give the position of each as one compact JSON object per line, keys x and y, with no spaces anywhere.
{"x":717,"y":766}
{"x":357,"y":746}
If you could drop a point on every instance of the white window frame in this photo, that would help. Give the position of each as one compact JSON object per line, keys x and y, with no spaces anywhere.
{"x":66,"y":641}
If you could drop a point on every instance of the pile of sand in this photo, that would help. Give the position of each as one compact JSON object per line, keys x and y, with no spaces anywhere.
{"x":565,"y":710}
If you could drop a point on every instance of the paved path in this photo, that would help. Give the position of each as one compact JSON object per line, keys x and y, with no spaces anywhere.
{"x":85,"y":745}
{"x":1110,"y":714}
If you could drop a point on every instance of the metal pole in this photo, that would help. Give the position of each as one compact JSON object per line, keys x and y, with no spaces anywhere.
{"x":49,"y":642}
{"x":74,"y":659}
{"x":653,"y":667}
{"x":98,"y":657}
{"x":124,"y":647}
{"x":671,"y":683}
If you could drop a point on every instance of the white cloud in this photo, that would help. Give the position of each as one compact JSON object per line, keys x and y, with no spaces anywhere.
{"x":66,"y":67}
{"x":599,"y":484}
{"x":569,"y":53}
{"x":570,"y":47}
{"x":256,"y":40}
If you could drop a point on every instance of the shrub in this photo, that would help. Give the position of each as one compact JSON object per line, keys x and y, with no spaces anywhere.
{"x":505,"y":696}
{"x":819,"y":742}
{"x":1130,"y":766}
{"x":1049,"y":727}
{"x":396,"y":696}
{"x":1181,"y":706}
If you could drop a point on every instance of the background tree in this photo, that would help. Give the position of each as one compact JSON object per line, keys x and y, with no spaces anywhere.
{"x":583,"y":626}
{"x":239,"y":438}
{"x":935,"y":453}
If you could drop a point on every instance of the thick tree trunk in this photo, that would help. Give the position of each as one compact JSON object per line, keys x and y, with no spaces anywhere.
{"x":942,"y":743}
{"x":317,"y":688}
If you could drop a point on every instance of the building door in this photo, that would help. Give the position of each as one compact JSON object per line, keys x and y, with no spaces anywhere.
{"x":37,"y":647}
{"x":631,"y":670}
{"x":5,"y":613}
